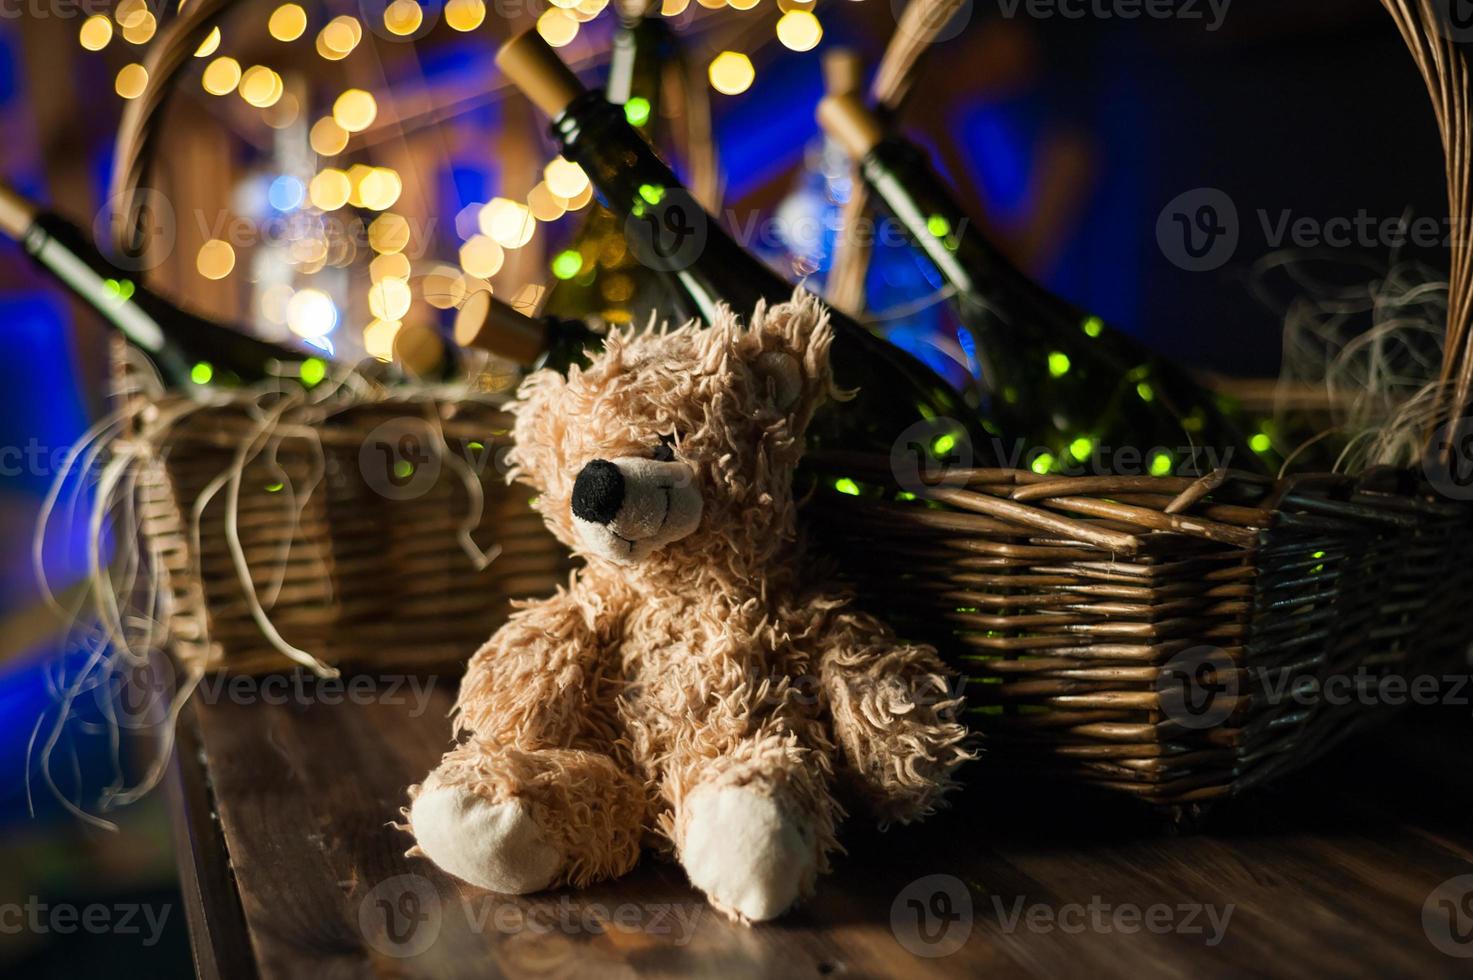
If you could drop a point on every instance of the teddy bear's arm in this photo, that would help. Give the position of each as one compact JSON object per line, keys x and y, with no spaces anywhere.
{"x":893,"y":708}
{"x":536,"y":683}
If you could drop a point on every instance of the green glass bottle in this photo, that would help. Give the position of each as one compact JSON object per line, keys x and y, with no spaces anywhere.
{"x":596,"y":276}
{"x":1080,"y":397}
{"x":900,"y":401}
{"x":190,"y":352}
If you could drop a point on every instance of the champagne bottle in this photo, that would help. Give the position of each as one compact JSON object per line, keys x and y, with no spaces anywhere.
{"x":596,"y":276}
{"x":189,"y":351}
{"x":488,"y":324}
{"x":898,"y":398}
{"x":1082,"y":395}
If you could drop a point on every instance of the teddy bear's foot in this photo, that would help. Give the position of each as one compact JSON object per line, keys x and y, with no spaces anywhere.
{"x":496,"y":846}
{"x":752,"y":856}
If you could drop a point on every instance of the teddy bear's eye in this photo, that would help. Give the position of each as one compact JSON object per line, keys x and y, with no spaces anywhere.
{"x":665,"y":451}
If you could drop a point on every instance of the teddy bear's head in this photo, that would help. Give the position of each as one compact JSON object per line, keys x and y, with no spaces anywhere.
{"x":677,"y":447}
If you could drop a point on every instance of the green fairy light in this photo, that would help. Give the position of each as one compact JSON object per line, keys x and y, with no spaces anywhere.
{"x":1043,"y":463}
{"x":1092,"y":326}
{"x":475,"y":446}
{"x":1318,"y":554}
{"x":1058,"y":363}
{"x":201,"y":373}
{"x":846,"y":485}
{"x":905,"y":495}
{"x":1160,"y":464}
{"x":1260,"y":442}
{"x":1081,"y":448}
{"x":403,"y":469}
{"x":637,"y":110}
{"x":938,"y":226}
{"x":1145,"y":390}
{"x":119,"y":289}
{"x":314,"y":369}
{"x":652,"y":193}
{"x":943,"y":444}
{"x":567,"y":264}
{"x":274,"y":487}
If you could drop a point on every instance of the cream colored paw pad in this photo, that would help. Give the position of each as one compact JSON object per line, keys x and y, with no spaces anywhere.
{"x":496,"y":846}
{"x":745,"y":852}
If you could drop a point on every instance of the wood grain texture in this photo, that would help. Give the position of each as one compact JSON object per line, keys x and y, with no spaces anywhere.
{"x":1326,"y":876}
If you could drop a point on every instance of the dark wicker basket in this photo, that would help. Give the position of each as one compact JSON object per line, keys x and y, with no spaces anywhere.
{"x":1178,"y":640}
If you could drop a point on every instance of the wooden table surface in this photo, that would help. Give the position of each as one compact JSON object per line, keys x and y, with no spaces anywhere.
{"x":291,"y":869}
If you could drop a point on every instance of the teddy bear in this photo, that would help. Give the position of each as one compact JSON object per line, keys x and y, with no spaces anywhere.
{"x":691,"y":689}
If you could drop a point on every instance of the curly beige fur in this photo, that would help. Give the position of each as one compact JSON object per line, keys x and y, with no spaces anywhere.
{"x":712,"y":663}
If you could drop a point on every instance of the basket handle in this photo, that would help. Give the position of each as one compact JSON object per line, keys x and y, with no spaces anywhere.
{"x":166,"y":59}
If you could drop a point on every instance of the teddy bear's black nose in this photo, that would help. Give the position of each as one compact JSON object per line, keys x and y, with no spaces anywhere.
{"x":598,"y":492}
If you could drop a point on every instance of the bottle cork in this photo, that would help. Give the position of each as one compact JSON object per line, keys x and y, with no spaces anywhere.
{"x":846,"y":119}
{"x":531,"y":65}
{"x":488,"y":324}
{"x":843,"y":72}
{"x":420,"y":350}
{"x":16,"y":213}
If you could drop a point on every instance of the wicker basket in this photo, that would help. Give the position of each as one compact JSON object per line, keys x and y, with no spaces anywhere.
{"x":367,"y":571}
{"x":1177,"y":640}
{"x":1169,"y":638}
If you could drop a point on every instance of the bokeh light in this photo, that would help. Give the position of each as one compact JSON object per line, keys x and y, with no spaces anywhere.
{"x":287,"y":22}
{"x":731,"y":73}
{"x":355,"y":110}
{"x":96,"y":32}
{"x":311,"y":313}
{"x":215,"y":260}
{"x":131,"y":81}
{"x":221,"y":76}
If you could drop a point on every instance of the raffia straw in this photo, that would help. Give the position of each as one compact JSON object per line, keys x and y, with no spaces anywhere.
{"x":899,"y":67}
{"x":1444,"y":69}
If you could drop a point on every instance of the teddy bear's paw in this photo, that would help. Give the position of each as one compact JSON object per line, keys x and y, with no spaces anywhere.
{"x":750,"y":855}
{"x":496,"y":846}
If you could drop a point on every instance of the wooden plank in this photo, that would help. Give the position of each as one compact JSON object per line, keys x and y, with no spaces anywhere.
{"x":1326,"y":876}
{"x":217,"y":929}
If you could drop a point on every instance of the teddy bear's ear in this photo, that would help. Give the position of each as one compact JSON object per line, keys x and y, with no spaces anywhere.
{"x":787,"y":346}
{"x":782,"y":375}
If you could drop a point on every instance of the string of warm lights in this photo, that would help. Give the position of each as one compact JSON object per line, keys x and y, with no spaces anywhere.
{"x":489,"y":230}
